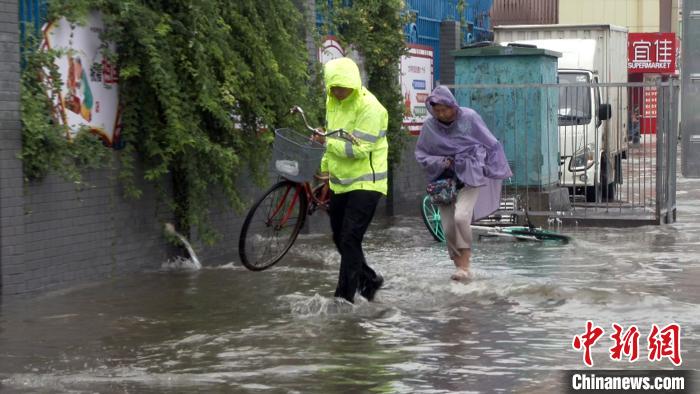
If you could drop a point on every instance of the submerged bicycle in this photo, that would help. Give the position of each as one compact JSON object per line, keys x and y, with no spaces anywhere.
{"x":275,"y":219}
{"x":431,"y":217}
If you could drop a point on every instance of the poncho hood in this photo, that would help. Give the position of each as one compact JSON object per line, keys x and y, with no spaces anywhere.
{"x":441,"y":95}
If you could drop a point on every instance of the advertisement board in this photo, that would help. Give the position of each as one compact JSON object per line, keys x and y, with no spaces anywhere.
{"x":89,"y":97}
{"x":647,"y":122}
{"x":416,"y":79}
{"x":330,"y":49}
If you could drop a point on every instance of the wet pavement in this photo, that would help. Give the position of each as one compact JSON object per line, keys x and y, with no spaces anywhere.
{"x":226,"y":329}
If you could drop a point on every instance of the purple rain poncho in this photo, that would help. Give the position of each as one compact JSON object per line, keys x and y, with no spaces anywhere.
{"x":479,"y":159}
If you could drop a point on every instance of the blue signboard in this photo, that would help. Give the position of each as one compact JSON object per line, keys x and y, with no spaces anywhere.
{"x":418,"y":84}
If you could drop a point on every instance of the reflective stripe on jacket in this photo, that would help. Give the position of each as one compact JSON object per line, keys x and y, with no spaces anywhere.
{"x":364,"y":165}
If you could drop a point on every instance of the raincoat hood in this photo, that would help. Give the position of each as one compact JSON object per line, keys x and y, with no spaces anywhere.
{"x":342,"y":72}
{"x":441,"y":95}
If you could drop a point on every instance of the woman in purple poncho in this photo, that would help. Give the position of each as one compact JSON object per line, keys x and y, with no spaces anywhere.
{"x":455,"y":143}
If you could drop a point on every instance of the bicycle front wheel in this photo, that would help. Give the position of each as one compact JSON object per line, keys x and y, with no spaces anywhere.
{"x":272,"y":225}
{"x":431,"y":217}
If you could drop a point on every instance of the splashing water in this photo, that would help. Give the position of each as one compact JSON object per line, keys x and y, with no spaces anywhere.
{"x":170,"y":229}
{"x":317,"y":305}
{"x":179,"y":263}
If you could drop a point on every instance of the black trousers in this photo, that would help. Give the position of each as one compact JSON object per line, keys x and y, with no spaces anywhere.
{"x":351,"y":214}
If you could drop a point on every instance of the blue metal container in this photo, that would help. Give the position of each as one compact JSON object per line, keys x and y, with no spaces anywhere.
{"x":522,"y":114}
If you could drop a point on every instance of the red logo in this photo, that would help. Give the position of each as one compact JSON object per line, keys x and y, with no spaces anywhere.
{"x":652,"y":53}
{"x":587,"y":340}
{"x":626,"y":344}
{"x":661,"y":342}
{"x":665,"y":343}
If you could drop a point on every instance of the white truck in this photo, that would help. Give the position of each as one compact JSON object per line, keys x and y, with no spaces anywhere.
{"x":592,"y":119}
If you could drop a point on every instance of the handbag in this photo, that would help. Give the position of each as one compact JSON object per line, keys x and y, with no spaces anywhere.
{"x":442,"y":191}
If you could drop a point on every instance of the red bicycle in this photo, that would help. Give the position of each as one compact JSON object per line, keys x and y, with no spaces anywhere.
{"x":275,"y":219}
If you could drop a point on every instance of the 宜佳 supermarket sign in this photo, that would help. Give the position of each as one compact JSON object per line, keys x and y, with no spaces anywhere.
{"x":652,"y":53}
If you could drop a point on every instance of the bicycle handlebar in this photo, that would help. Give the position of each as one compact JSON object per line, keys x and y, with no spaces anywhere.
{"x":297,"y":110}
{"x":341,"y":133}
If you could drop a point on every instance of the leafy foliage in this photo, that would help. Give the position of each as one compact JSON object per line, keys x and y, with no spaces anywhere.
{"x":45,"y":146}
{"x":201,"y":84}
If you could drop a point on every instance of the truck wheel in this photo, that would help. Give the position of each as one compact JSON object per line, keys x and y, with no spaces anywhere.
{"x":609,"y":186}
{"x":609,"y":191}
{"x":602,"y":193}
{"x":592,"y":194}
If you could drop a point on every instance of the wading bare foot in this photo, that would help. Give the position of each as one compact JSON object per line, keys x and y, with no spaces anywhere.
{"x":460,"y":275}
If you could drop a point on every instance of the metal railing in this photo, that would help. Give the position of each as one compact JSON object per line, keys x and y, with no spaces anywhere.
{"x":575,"y":158}
{"x":32,"y":15}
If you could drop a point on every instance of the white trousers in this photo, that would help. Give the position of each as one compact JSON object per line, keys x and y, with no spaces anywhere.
{"x":456,"y":220}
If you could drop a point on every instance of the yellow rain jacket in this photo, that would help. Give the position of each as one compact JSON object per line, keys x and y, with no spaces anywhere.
{"x":364,"y":165}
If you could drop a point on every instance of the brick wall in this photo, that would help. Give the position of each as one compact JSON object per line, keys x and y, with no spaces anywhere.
{"x":227,"y":223}
{"x":79,"y":233}
{"x":55,"y":234}
{"x":11,"y":187}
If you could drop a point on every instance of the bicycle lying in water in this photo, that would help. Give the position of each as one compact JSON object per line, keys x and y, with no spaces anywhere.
{"x":275,"y":219}
{"x":431,"y":217}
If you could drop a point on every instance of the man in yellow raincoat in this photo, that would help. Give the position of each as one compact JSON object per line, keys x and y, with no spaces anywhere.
{"x":358,"y":171}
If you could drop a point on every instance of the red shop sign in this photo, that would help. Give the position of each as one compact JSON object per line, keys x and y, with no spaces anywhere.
{"x":651,"y":53}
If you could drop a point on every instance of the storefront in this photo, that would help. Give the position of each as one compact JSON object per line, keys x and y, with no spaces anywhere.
{"x":652,"y":58}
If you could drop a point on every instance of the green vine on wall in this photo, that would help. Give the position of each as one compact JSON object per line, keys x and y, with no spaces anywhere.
{"x":202,"y":84}
{"x":45,"y":146}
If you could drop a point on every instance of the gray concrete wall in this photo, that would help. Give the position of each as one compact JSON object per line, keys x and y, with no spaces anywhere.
{"x":409,"y":182}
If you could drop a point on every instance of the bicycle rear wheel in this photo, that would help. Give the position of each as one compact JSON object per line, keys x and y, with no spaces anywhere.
{"x":431,"y":217}
{"x":272,"y":225}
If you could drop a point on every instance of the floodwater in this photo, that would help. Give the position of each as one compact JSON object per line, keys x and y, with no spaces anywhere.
{"x":226,"y":329}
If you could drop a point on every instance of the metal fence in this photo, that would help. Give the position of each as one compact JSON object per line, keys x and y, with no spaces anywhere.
{"x":583,"y":152}
{"x":32,"y":16}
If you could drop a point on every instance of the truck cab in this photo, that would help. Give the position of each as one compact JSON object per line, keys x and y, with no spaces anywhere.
{"x":583,"y":145}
